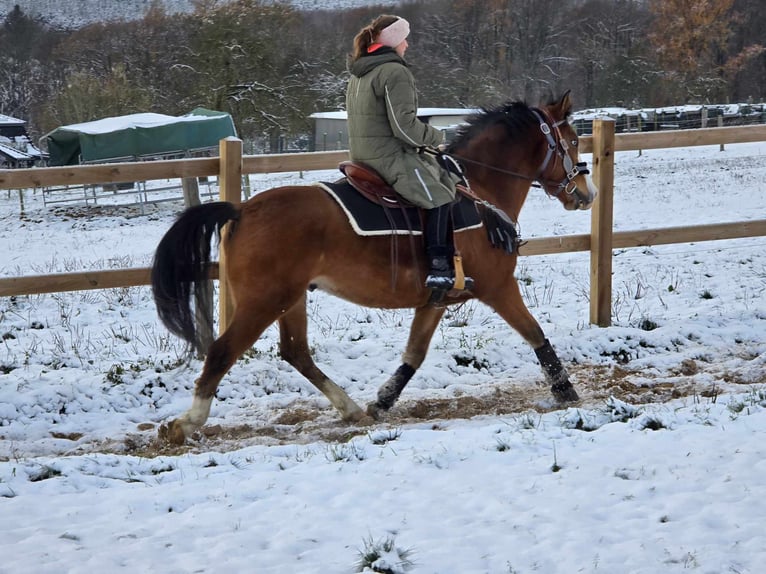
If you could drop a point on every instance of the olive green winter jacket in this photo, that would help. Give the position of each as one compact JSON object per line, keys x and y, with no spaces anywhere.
{"x":385,"y":133}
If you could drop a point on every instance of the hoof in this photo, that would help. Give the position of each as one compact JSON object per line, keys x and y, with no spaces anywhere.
{"x":366,"y":421}
{"x":359,"y":417}
{"x":172,"y":433}
{"x":376,"y":411}
{"x":565,"y":394}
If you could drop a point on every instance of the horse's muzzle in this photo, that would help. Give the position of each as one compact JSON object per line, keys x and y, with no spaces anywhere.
{"x":584,"y":192}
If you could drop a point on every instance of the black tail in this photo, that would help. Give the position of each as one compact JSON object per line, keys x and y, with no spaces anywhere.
{"x":182,"y":265}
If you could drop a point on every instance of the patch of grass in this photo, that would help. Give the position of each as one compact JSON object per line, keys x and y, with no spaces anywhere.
{"x":529,"y":421}
{"x":383,"y":437}
{"x":555,"y":467}
{"x":620,"y":411}
{"x":344,"y":453}
{"x":647,"y":324}
{"x":653,"y":423}
{"x":384,"y":556}
{"x":621,"y":356}
{"x":468,"y":360}
{"x":44,"y":473}
{"x":115,"y":373}
{"x":163,"y":468}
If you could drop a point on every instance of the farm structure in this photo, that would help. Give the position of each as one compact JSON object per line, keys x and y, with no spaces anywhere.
{"x":16,"y":151}
{"x":330,"y":132}
{"x":231,"y":165}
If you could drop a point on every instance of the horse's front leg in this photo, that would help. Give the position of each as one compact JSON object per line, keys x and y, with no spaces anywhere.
{"x":421,"y":331}
{"x":511,"y":307}
{"x":555,"y":374}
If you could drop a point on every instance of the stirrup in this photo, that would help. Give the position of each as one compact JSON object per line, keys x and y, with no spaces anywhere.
{"x":447,"y":283}
{"x":439,"y":281}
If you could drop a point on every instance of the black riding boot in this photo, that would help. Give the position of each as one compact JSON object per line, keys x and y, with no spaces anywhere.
{"x":438,"y":250}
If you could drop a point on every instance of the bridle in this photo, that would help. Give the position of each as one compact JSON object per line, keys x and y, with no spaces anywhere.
{"x":558,"y":148}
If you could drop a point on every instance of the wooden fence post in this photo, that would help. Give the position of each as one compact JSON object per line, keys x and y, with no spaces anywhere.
{"x":230,"y":189}
{"x":601,"y":223}
{"x":190,"y":187}
{"x":720,"y":125}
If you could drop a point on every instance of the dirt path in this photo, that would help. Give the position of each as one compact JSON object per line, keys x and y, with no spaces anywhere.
{"x":303,"y":422}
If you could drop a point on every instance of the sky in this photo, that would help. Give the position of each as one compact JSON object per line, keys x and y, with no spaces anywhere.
{"x":659,"y":468}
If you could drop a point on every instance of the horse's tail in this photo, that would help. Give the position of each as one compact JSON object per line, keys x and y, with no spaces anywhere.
{"x":181,"y":268}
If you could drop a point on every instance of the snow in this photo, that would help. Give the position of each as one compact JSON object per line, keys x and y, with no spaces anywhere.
{"x":12,"y":152}
{"x":139,"y":120}
{"x":658,"y":469}
{"x":9,"y":121}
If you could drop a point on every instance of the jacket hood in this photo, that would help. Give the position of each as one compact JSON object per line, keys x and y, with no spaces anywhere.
{"x":369,"y":62}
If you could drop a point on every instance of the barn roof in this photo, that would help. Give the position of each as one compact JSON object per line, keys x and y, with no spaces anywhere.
{"x":137,"y":135}
{"x":9,"y":121}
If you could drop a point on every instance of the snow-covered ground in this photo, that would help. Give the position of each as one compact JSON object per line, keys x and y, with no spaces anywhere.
{"x":659,"y":469}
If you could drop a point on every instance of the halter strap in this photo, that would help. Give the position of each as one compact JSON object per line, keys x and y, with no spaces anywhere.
{"x":552,"y":142}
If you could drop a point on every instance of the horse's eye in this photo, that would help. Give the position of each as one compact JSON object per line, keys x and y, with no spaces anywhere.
{"x":574,"y":143}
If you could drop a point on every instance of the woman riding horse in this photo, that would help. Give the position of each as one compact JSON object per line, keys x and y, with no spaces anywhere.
{"x":286,"y":240}
{"x":385,"y":133}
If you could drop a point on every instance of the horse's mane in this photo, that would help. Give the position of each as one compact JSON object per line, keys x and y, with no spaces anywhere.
{"x":517,"y":117}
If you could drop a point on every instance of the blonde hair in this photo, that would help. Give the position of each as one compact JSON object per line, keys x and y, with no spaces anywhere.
{"x":367,"y":35}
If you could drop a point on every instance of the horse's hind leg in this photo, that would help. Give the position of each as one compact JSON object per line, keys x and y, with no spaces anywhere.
{"x":515,"y":312}
{"x":245,"y":328}
{"x":294,"y":348}
{"x":421,"y":331}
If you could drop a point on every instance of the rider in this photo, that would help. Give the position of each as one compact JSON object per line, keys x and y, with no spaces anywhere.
{"x":385,"y":133}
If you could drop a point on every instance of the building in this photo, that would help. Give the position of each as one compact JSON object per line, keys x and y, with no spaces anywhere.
{"x":15,"y":148}
{"x":330,"y":132}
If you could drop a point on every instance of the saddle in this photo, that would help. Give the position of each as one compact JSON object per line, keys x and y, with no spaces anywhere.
{"x":368,"y":182}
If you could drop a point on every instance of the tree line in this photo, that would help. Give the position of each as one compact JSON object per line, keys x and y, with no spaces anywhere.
{"x":271,"y":65}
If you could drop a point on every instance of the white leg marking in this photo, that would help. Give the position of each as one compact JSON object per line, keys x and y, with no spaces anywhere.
{"x":193,"y":419}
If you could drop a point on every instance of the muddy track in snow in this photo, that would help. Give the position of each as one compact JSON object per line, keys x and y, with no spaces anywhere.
{"x":303,"y":422}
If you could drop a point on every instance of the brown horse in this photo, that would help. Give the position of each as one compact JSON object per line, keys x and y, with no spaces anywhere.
{"x":289,"y":239}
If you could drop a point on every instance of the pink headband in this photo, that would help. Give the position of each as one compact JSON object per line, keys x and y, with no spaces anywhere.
{"x":395,"y":33}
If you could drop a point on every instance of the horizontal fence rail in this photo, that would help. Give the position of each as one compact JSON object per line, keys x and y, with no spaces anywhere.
{"x":231,"y":165}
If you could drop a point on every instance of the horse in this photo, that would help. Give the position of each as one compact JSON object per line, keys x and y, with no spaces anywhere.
{"x":290,"y":239}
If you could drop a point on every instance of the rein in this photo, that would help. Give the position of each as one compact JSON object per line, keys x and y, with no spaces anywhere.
{"x":555,"y":141}
{"x":498,"y":169}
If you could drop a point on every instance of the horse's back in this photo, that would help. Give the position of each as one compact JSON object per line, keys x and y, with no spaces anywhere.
{"x":300,"y":236}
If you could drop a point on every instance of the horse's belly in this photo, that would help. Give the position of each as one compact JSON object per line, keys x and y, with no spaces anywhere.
{"x":372,"y":292}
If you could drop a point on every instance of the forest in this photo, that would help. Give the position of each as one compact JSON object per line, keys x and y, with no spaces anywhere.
{"x":271,"y":65}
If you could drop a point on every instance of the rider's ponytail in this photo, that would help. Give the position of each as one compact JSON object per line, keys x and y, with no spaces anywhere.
{"x":369,"y":34}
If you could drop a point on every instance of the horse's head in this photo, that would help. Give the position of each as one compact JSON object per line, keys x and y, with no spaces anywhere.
{"x":562,"y":174}
{"x":504,"y":149}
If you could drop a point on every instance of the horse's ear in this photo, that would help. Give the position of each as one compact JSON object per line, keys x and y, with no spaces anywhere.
{"x":565,"y":104}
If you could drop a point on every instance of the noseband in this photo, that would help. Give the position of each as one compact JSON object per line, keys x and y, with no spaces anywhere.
{"x":557,"y":145}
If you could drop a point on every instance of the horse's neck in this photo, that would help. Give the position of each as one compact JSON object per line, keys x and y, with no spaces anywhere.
{"x":508,"y":196}
{"x":507,"y":185}
{"x":506,"y":191}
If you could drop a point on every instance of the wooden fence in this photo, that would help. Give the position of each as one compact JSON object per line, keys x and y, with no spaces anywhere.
{"x":231,"y":165}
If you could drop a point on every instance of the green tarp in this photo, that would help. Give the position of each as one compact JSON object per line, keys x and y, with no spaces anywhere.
{"x":135,"y":136}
